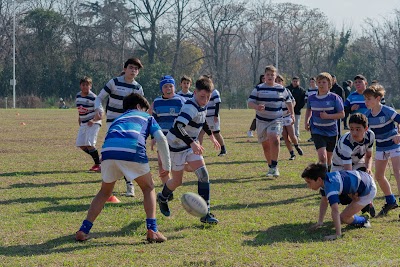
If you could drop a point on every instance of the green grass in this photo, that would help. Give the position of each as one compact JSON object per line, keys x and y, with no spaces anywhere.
{"x":46,"y":190}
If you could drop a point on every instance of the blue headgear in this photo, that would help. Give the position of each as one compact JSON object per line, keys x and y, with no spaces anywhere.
{"x":166,"y":79}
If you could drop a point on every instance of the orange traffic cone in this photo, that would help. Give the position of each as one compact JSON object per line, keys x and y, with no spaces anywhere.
{"x":113,"y":199}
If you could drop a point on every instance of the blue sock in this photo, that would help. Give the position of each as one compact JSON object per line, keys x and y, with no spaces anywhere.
{"x":151,"y":224}
{"x":86,"y":226}
{"x":390,"y":199}
{"x":274,"y":163}
{"x":359,"y":220}
{"x":204,"y":191}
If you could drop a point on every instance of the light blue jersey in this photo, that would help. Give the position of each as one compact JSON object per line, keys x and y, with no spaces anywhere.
{"x":383,"y":125}
{"x":331,"y":103}
{"x":346,"y":182}
{"x":126,"y":137}
{"x":165,"y":111}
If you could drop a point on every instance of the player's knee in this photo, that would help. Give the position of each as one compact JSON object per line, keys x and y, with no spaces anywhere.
{"x":202,"y":174}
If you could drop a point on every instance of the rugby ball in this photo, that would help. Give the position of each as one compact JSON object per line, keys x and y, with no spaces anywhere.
{"x":194,"y":204}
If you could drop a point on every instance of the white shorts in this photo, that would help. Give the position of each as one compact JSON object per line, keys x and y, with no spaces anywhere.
{"x":214,"y":126}
{"x":340,"y":168}
{"x":87,"y":135}
{"x":385,"y":155}
{"x":365,"y":200}
{"x":287,"y":121}
{"x":112,"y":170}
{"x":178,"y":159}
{"x":264,"y":128}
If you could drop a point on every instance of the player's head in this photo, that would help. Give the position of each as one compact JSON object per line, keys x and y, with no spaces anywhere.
{"x":314,"y":174}
{"x":133,"y":61}
{"x":313,"y":82}
{"x":270,"y":75}
{"x":167,"y":86}
{"x":373,"y":95}
{"x":334,"y":80}
{"x":349,"y":83}
{"x":85,"y":83}
{"x":360,"y":83}
{"x":358,"y":123}
{"x":261,"y":79}
{"x":186,"y":82}
{"x":324,"y":82}
{"x":279,"y":79}
{"x":132,"y":67}
{"x":204,"y":87}
{"x":296,"y":81}
{"x":135,"y":101}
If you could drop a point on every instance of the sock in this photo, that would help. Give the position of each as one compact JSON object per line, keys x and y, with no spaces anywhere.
{"x":166,"y":192}
{"x":269,"y":165}
{"x":86,"y":151}
{"x":204,"y":191}
{"x":127,"y":182}
{"x":223,"y":148}
{"x":95,"y":156}
{"x":292,"y":153}
{"x":359,"y":220}
{"x":390,"y":199}
{"x":86,"y":226}
{"x":296,"y":146}
{"x":329,"y":168}
{"x":274,"y":164}
{"x":151,"y":224}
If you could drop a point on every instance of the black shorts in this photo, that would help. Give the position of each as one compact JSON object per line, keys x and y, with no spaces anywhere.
{"x":328,"y":142}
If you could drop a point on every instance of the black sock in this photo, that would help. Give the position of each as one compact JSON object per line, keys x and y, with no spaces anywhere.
{"x":274,"y":164}
{"x":223,"y":148}
{"x":166,"y":192}
{"x":95,"y":155}
{"x":86,"y":151}
{"x":296,"y":146}
{"x":292,"y":153}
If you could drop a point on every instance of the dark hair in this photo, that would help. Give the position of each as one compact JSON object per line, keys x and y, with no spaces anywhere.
{"x":261,"y":77}
{"x":359,"y":118}
{"x":131,"y":101}
{"x":85,"y":79}
{"x":312,"y":79}
{"x":186,"y":78}
{"x":134,"y":61}
{"x":204,"y":83}
{"x":295,"y":78}
{"x":375,"y":90}
{"x":360,"y":77}
{"x":315,"y":170}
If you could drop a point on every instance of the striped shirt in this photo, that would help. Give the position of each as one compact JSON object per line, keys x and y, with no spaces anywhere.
{"x":85,"y":106}
{"x":186,"y":96}
{"x":193,"y":117}
{"x":116,"y":89}
{"x":310,"y":92}
{"x":285,"y":110}
{"x":126,"y":137}
{"x":348,"y":151}
{"x":384,"y":128}
{"x":358,"y":99}
{"x":346,"y":182}
{"x":214,"y":100}
{"x":165,"y":111}
{"x":272,"y":97}
{"x":331,"y":103}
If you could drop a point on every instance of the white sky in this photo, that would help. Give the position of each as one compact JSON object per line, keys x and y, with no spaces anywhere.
{"x":350,"y":12}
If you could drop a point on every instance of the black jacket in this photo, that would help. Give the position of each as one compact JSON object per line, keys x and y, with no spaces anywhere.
{"x":299,"y":94}
{"x":337,"y":89}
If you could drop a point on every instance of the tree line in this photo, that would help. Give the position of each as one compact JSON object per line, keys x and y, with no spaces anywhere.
{"x":58,"y":41}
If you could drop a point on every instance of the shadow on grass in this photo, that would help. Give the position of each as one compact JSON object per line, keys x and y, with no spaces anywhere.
{"x":291,"y":232}
{"x":287,"y":186}
{"x":236,"y":162}
{"x":238,"y":180}
{"x":52,"y":200}
{"x":58,"y":245}
{"x":79,"y":207}
{"x":33,"y":173}
{"x":54,"y":184}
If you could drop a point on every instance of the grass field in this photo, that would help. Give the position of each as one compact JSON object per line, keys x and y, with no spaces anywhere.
{"x":46,"y":190}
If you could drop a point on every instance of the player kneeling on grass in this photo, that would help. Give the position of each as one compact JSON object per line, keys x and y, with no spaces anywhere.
{"x":124,"y":154}
{"x":185,"y":147}
{"x":358,"y":185}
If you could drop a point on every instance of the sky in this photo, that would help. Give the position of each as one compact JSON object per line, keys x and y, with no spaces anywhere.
{"x":350,"y":12}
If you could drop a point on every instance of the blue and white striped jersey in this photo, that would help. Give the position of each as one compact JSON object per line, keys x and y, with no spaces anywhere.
{"x":358,"y":99}
{"x":165,"y":111}
{"x":116,"y":89}
{"x":85,"y":106}
{"x":331,"y":103}
{"x":383,"y":125}
{"x":193,"y":117}
{"x":215,"y":99}
{"x":272,"y":97}
{"x":310,"y":92}
{"x":126,"y":137}
{"x":186,"y":96}
{"x":285,"y":110}
{"x":346,"y":182}
{"x":348,"y":151}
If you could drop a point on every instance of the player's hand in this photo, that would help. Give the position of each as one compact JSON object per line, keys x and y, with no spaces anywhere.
{"x":260,"y":107}
{"x":324,"y":115}
{"x":354,"y":107}
{"x":90,"y":123}
{"x":216,"y":144}
{"x":316,"y":226}
{"x":197,"y":148}
{"x":332,"y":237}
{"x":354,"y":197}
{"x":153,"y":142}
{"x":369,"y":172}
{"x":396,"y":139}
{"x":98,"y":116}
{"x":307,"y":126}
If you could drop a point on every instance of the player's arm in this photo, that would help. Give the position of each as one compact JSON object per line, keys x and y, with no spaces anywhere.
{"x":290,"y":107}
{"x":323,"y":206}
{"x":307,"y":119}
{"x":336,"y":221}
{"x":163,"y":150}
{"x":208,"y":131}
{"x":98,"y":107}
{"x":368,"y":161}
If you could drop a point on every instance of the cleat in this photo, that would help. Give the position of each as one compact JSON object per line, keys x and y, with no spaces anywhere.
{"x":367,"y":224}
{"x":292,"y":157}
{"x":155,"y":237}
{"x":171,"y":197}
{"x":113,"y":199}
{"x":310,"y":140}
{"x":81,"y":236}
{"x":386,"y":208}
{"x":95,"y":168}
{"x":369,"y":209}
{"x":273,"y":172}
{"x":209,"y":218}
{"x":270,"y":173}
{"x":130,"y":190}
{"x":250,"y":134}
{"x":299,"y":150}
{"x":163,"y":205}
{"x":222,"y":153}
